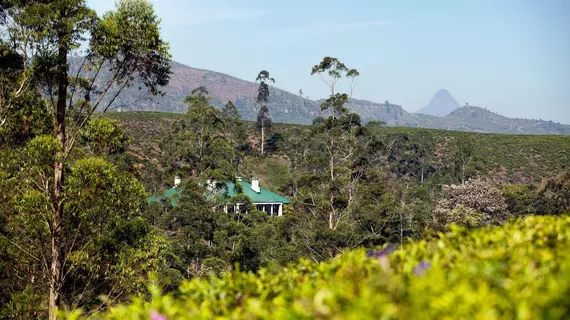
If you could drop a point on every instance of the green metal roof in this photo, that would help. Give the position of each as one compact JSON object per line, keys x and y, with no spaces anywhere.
{"x":264,"y":196}
{"x":172,"y":194}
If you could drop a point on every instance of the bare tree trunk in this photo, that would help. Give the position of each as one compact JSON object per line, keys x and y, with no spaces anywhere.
{"x":332,"y":195}
{"x":402,"y":206}
{"x":331,"y":165}
{"x":331,"y":159}
{"x":332,"y":213}
{"x":262,"y":137}
{"x":401,"y":228}
{"x":462,"y":171}
{"x":59,"y":133}
{"x":55,"y":271}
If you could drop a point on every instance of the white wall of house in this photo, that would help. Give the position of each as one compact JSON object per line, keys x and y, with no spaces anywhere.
{"x":274,"y":209}
{"x":271,"y":208}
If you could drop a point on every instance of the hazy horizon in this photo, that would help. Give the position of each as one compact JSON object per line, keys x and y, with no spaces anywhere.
{"x":511,"y":57}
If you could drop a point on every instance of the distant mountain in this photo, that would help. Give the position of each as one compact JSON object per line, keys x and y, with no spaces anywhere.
{"x":287,"y":107}
{"x":440,"y":105}
{"x":470,"y":118}
{"x":284,"y":106}
{"x":388,"y":112}
{"x":475,"y":119}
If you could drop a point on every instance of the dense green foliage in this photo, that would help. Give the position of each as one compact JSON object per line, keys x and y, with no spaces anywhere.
{"x":517,"y":271}
{"x":65,"y":210}
{"x":196,"y":145}
{"x":107,"y":240}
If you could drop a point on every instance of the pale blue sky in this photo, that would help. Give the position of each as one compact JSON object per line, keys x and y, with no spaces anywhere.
{"x":510,"y":56}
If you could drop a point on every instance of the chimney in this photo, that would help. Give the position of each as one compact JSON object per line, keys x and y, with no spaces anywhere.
{"x":255,"y":185}
{"x":177,"y":181}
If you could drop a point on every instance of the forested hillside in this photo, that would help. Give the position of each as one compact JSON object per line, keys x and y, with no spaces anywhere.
{"x":504,"y":158}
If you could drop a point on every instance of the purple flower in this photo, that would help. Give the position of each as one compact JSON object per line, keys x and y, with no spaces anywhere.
{"x":384,"y":252}
{"x":421,"y":268}
{"x":157,"y":316}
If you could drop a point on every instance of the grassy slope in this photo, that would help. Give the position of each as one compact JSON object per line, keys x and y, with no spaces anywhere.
{"x":508,"y":158}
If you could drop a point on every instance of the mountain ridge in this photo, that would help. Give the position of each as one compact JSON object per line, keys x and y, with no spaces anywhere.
{"x":287,"y":107}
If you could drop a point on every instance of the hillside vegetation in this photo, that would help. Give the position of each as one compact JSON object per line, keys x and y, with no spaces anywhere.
{"x":517,"y":271}
{"x":506,"y":158}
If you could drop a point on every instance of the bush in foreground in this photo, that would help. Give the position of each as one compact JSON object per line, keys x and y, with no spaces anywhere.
{"x":518,"y":271}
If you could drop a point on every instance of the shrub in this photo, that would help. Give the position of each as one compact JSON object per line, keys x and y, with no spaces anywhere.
{"x":472,"y":204}
{"x":215,"y":266}
{"x":516,"y":271}
{"x":554,"y":194}
{"x":519,"y":198}
{"x":104,"y":135}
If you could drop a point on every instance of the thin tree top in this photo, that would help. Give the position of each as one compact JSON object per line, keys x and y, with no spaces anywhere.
{"x":263,"y":91}
{"x":264,"y":76}
{"x":334,"y":68}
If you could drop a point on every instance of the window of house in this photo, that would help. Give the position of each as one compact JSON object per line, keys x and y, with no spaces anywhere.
{"x":267,"y":208}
